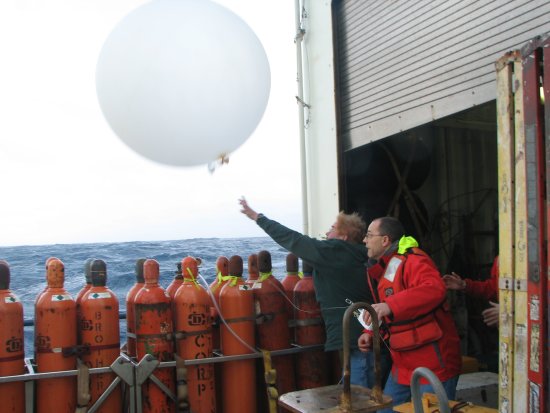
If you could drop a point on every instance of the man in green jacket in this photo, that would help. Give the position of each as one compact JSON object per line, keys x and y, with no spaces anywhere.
{"x":339,"y":277}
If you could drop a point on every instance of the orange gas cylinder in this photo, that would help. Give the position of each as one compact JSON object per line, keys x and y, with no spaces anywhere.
{"x":55,"y":342}
{"x":100,"y":334}
{"x":12,"y":348}
{"x":312,"y":366}
{"x":87,"y":285}
{"x":252,"y":269}
{"x":289,"y":282}
{"x":130,"y":319}
{"x":45,"y":289}
{"x":173,"y":287}
{"x":272,"y":322}
{"x":194,"y":337}
{"x":237,"y":337}
{"x":153,"y":326}
{"x":222,"y":270}
{"x":176,"y":282}
{"x":80,"y":294}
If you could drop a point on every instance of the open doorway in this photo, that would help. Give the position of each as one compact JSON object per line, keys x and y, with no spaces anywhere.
{"x":440,"y":180}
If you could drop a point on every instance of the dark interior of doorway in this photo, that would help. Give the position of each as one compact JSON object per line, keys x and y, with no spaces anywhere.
{"x":440,"y":180}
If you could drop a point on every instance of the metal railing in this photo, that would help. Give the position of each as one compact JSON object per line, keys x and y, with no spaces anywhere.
{"x":131,"y":374}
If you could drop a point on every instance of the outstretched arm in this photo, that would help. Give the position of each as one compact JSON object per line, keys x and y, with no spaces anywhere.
{"x":487,"y":289}
{"x":305,"y":247}
{"x":453,"y":281}
{"x":245,"y":209}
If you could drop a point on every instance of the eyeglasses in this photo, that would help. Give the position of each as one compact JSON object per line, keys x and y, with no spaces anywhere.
{"x":369,"y":235}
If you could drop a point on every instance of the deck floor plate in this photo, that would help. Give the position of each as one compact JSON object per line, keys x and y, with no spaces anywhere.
{"x":326,"y":399}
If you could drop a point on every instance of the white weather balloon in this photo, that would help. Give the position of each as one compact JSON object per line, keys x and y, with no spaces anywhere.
{"x":183,"y":82}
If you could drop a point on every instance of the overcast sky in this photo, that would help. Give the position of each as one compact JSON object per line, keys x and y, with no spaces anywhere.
{"x":66,"y":178}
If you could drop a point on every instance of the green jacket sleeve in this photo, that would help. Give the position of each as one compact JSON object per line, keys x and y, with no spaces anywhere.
{"x":305,"y":247}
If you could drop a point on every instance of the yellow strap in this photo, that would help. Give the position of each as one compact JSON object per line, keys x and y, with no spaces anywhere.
{"x":265,"y":275}
{"x":192,"y":279}
{"x":270,"y":375}
{"x":405,"y":243}
{"x":221,"y":278}
{"x":232,"y":280}
{"x":298,"y":274}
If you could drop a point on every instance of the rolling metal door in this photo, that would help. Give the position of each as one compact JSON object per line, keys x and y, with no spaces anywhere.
{"x":401,"y":64}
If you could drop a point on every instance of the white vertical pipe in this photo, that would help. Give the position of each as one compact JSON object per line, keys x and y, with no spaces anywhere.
{"x":299,"y":80}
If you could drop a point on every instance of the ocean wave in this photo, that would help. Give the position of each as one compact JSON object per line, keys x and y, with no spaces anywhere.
{"x":27,"y":265}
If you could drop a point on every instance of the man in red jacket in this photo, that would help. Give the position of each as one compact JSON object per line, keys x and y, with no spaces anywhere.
{"x":413,"y":309}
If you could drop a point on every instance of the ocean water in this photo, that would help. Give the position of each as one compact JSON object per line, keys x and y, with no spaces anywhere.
{"x":27,"y":266}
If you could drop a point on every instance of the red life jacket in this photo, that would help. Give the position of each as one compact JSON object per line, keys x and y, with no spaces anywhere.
{"x":413,"y":333}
